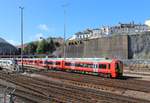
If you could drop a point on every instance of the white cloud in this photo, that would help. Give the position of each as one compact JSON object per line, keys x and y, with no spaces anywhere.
{"x":13,"y":42}
{"x":147,"y":22}
{"x":39,"y":35}
{"x":43,"y":27}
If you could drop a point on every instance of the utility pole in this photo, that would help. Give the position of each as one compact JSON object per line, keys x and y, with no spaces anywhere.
{"x":21,"y":8}
{"x":64,"y":33}
{"x":64,"y":6}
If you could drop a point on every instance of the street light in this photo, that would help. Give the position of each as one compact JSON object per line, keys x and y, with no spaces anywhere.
{"x":21,"y":8}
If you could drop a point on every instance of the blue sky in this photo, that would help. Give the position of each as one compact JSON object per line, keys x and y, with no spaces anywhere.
{"x":45,"y":17}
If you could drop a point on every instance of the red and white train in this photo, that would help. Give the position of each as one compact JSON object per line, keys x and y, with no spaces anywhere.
{"x":102,"y":66}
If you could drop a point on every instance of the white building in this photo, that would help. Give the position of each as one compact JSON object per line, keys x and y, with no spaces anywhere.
{"x":129,"y":28}
{"x":120,"y":29}
{"x":147,"y":22}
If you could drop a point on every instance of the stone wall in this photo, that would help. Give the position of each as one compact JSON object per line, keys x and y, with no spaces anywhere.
{"x":112,"y":47}
{"x":139,"y":46}
{"x":119,"y":46}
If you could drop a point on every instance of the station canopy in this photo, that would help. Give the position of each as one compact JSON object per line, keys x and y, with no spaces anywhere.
{"x":7,"y":48}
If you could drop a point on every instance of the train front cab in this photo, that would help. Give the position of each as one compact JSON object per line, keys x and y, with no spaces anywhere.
{"x":117,"y":69}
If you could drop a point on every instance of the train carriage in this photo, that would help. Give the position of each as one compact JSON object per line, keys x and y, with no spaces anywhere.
{"x":9,"y":65}
{"x":101,"y":66}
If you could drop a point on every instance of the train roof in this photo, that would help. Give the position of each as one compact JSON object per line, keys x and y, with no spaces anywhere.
{"x":75,"y":59}
{"x":90,"y":60}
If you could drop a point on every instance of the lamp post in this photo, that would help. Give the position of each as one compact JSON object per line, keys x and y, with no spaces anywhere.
{"x":21,"y":8}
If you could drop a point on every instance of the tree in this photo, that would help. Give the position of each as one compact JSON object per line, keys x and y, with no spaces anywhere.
{"x":30,"y":48}
{"x":57,"y":44}
{"x":51,"y":45}
{"x":25,"y":50}
{"x":42,"y":46}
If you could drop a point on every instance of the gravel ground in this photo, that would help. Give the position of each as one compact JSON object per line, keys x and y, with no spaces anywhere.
{"x":2,"y":89}
{"x":131,"y":74}
{"x":141,"y":75}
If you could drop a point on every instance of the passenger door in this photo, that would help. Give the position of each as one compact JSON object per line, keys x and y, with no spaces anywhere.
{"x":95,"y":67}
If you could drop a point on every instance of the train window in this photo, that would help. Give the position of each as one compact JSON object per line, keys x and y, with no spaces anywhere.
{"x":90,"y":65}
{"x":15,"y":61}
{"x":57,"y":63}
{"x":78,"y":65}
{"x":117,"y":66}
{"x":108,"y":66}
{"x":30,"y":61}
{"x":95,"y":66}
{"x":67,"y":64}
{"x":45,"y":62}
{"x":49,"y":62}
{"x":84,"y":65}
{"x":102,"y":66}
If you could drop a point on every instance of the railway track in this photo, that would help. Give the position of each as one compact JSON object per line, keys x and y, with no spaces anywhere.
{"x":60,"y":92}
{"x":136,"y":85}
{"x":88,"y":80}
{"x":108,"y":96}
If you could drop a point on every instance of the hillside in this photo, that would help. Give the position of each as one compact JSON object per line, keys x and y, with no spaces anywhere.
{"x":44,"y":46}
